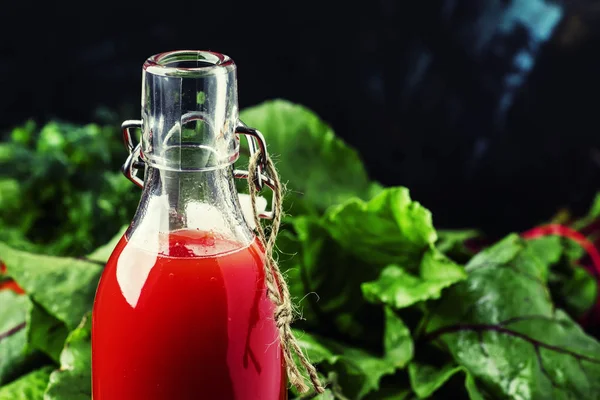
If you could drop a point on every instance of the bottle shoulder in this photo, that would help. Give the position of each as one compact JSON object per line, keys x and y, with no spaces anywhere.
{"x":184,"y":243}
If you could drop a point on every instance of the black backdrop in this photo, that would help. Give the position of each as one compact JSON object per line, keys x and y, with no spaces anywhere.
{"x":486,"y":109}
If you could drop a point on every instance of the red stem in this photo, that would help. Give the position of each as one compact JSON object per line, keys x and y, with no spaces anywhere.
{"x":577,"y":237}
{"x":587,"y":245}
{"x":11,"y":285}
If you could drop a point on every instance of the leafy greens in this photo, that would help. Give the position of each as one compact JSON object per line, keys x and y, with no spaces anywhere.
{"x":385,"y":308}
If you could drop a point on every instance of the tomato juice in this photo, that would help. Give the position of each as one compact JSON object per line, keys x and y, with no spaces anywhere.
{"x":188,"y":320}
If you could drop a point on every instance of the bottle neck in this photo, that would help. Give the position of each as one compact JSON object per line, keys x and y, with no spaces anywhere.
{"x":199,"y":201}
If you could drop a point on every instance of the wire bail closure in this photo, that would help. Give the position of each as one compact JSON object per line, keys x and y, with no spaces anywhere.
{"x":256,"y":143}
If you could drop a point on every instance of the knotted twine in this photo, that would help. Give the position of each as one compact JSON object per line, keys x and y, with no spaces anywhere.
{"x":277,"y":288}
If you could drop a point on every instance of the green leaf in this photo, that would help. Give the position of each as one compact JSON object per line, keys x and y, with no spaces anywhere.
{"x":73,"y":380}
{"x":23,"y":134}
{"x":400,"y":289}
{"x":572,"y":287}
{"x":7,"y":152}
{"x":388,"y":229}
{"x":103,"y":253}
{"x":291,"y":263}
{"x":593,"y":214}
{"x":392,"y":394}
{"x":338,"y":253}
{"x":27,"y":387}
{"x":375,"y":188}
{"x":64,"y":287}
{"x":594,"y":211}
{"x":549,"y":249}
{"x":577,"y":292}
{"x":333,"y":391}
{"x":572,"y":250}
{"x":319,"y":168}
{"x":397,"y":341}
{"x":452,"y":243}
{"x":426,"y":379}
{"x":327,"y":395}
{"x":44,"y":332}
{"x":10,"y":196}
{"x":327,"y":280}
{"x":13,"y":339}
{"x":72,"y":196}
{"x":359,"y":372}
{"x":501,"y":325}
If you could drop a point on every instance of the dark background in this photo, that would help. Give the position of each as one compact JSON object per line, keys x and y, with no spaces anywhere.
{"x":486,"y":110}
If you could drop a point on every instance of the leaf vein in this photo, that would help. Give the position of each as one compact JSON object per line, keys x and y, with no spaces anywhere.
{"x":496,"y":328}
{"x":12,"y":331}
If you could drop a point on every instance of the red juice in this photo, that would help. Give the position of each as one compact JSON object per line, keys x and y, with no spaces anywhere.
{"x":192,"y":321}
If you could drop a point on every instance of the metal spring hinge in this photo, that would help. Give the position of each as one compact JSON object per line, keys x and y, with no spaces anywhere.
{"x":256,"y":143}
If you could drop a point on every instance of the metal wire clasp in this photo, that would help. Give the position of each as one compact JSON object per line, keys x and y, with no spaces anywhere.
{"x":256,"y":143}
{"x":134,"y":161}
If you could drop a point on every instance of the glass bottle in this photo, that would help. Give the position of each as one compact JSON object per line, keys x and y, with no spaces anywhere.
{"x":181,"y":310}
